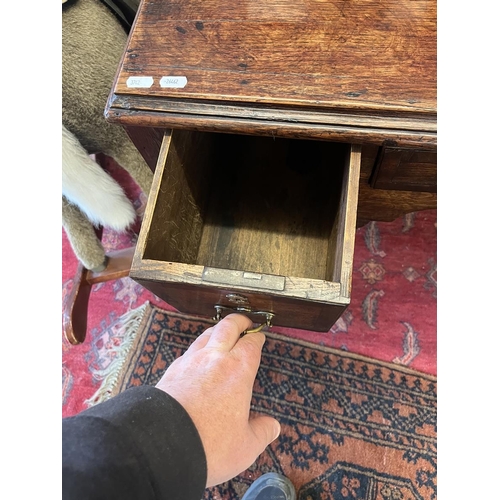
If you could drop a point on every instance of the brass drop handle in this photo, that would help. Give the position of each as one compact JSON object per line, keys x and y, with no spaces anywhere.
{"x":255,"y":330}
{"x":245,"y":310}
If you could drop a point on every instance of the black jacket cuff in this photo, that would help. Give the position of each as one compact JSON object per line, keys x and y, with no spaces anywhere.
{"x":161,"y":437}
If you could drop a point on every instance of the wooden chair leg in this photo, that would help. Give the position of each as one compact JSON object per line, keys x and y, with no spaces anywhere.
{"x":75,"y":311}
{"x":76,"y":308}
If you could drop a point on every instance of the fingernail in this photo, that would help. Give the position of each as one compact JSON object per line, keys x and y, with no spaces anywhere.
{"x":277,"y":430}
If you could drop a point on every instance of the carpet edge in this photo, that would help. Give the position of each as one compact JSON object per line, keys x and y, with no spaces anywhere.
{"x":327,"y":349}
{"x":110,"y":377}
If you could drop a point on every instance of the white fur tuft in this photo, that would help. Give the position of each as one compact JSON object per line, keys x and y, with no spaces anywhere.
{"x":94,"y":191}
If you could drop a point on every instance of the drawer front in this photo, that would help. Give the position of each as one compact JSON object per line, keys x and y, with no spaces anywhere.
{"x":288,"y":312}
{"x":270,"y":222}
{"x":406,"y":170}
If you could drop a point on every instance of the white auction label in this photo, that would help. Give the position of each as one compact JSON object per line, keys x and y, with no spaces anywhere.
{"x":139,"y":82}
{"x":173,"y":82}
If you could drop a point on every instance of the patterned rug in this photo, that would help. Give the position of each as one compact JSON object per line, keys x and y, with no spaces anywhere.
{"x":352,"y":427}
{"x":392,"y":315}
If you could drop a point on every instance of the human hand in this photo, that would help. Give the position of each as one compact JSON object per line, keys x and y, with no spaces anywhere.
{"x":213,"y":380}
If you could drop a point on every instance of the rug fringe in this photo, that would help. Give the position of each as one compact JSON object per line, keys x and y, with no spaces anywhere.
{"x":131,"y":321}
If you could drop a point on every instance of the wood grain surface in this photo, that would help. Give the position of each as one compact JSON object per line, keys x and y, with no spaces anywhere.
{"x":369,"y":66}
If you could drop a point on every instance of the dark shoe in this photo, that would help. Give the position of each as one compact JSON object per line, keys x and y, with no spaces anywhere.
{"x":271,"y":486}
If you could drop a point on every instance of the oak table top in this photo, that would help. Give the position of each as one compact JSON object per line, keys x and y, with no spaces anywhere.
{"x":339,"y":70}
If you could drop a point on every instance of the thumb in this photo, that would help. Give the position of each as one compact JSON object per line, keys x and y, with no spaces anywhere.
{"x":266,"y":430}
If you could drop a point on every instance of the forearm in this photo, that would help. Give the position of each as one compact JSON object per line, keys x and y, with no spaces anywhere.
{"x":141,"y":444}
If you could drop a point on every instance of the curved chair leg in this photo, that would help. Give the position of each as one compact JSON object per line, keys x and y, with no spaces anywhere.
{"x":86,"y":244}
{"x":76,"y":308}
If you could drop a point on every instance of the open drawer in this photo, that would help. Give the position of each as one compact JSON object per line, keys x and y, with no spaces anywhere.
{"x":262,"y":225}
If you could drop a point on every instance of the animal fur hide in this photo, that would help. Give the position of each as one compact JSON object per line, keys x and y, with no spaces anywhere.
{"x":95,"y":192}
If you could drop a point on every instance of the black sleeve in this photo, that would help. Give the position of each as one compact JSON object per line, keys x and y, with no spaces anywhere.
{"x":139,"y":445}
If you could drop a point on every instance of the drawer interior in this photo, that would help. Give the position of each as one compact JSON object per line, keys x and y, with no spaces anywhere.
{"x":248,"y":203}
